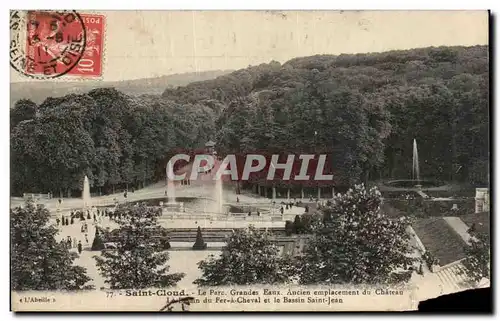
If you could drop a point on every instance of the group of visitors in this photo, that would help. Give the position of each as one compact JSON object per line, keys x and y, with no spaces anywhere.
{"x":72,"y":243}
{"x":114,"y":216}
{"x":289,"y":205}
{"x":85,"y":228}
{"x":97,"y":215}
{"x":73,"y":215}
{"x":111,"y":214}
{"x":250,"y":213}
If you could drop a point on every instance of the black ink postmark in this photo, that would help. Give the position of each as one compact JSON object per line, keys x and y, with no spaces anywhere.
{"x":46,"y":44}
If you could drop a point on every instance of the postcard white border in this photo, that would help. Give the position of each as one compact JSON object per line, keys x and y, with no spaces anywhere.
{"x":211,"y":5}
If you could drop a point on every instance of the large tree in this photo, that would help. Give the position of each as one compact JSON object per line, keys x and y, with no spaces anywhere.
{"x":53,"y":151}
{"x":477,"y":263}
{"x":38,"y":261}
{"x":249,"y":257}
{"x":356,"y":243}
{"x":139,"y":260}
{"x":23,"y":109}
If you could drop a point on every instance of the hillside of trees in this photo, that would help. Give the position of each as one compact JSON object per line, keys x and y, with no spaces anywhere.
{"x":364,"y":109}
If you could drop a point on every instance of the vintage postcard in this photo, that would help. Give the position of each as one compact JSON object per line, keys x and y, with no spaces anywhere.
{"x":247,"y":160}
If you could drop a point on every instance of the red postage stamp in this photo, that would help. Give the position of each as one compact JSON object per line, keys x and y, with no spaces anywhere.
{"x":90,"y":64}
{"x":58,"y":43}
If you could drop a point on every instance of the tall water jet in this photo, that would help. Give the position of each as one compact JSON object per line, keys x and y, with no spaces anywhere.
{"x":86,"y":193}
{"x":170,"y":184}
{"x":415,"y":167}
{"x":219,"y":195}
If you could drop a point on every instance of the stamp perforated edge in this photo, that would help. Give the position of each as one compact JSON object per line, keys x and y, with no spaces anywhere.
{"x":74,"y":78}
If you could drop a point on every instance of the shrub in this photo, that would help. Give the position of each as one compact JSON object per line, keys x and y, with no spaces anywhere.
{"x":97,"y":244}
{"x":199,"y":244}
{"x":288,"y":228}
{"x":297,"y":225}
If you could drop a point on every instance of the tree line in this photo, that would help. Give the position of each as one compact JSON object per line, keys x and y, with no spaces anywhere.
{"x":118,"y":141}
{"x":364,"y":109}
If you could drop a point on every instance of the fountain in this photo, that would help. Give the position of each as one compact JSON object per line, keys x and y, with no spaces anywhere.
{"x":415,"y":166}
{"x":86,"y":193}
{"x":170,"y":185}
{"x":219,"y":195}
{"x":171,"y":205}
{"x":415,"y":182}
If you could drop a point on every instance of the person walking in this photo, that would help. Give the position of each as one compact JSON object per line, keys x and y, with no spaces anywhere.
{"x":79,"y":247}
{"x":86,"y":239}
{"x":58,"y":221}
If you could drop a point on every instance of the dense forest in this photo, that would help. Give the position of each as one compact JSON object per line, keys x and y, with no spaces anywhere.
{"x":364,"y":109}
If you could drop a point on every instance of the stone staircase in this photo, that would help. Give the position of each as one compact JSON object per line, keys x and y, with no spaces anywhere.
{"x":211,"y":235}
{"x":452,"y":279}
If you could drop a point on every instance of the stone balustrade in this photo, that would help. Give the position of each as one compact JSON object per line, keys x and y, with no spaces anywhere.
{"x":35,"y":196}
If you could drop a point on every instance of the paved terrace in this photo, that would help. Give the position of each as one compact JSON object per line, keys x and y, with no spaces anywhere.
{"x":153,"y":191}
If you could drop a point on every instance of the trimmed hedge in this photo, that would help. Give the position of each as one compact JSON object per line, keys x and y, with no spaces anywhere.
{"x":428,"y":208}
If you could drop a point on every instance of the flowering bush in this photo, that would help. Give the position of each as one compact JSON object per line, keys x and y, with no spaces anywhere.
{"x":356,"y":243}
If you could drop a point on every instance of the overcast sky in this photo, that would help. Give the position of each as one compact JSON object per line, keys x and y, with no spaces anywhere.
{"x":140,"y":44}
